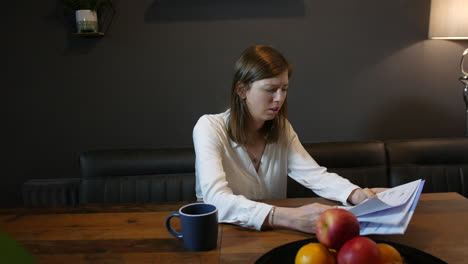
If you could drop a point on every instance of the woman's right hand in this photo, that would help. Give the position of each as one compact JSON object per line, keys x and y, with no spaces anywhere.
{"x":301,"y":218}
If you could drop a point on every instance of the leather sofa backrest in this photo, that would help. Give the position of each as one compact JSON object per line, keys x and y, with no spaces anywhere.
{"x":137,"y":175}
{"x":162,"y":175}
{"x":362,"y":162}
{"x":442,"y":162}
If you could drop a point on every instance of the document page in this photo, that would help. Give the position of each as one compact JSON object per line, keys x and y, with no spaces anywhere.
{"x":382,"y":221}
{"x":393,"y":197}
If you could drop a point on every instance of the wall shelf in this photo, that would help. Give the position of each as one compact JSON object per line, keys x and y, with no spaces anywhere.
{"x":89,"y":34}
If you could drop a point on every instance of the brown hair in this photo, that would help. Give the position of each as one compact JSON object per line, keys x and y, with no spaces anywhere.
{"x":256,"y":63}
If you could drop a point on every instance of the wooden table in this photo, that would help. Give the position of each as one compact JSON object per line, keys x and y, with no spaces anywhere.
{"x":137,"y":234}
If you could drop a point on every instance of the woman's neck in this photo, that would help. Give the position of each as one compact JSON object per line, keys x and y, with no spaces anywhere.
{"x":254,"y":133}
{"x":255,"y":126}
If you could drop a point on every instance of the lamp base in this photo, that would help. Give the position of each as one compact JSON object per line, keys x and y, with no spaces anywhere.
{"x":466,"y":123}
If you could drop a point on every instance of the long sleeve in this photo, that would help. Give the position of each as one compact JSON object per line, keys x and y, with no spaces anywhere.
{"x":305,"y":170}
{"x":210,"y":142}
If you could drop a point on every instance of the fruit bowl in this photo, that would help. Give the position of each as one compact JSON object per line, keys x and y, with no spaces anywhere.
{"x":287,"y":253}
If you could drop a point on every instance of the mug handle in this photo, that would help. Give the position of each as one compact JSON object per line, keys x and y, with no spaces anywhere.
{"x":169,"y":227}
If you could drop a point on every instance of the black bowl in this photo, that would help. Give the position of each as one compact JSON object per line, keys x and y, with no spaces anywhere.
{"x":287,"y":253}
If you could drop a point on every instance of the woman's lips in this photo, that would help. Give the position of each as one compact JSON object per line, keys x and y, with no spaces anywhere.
{"x":274,"y":110}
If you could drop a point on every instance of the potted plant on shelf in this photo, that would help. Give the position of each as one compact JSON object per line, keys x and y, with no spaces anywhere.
{"x":86,"y":13}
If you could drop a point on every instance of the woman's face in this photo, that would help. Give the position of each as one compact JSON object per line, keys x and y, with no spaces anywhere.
{"x":265,"y":97}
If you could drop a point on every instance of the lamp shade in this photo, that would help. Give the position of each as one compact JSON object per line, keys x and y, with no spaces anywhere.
{"x":448,"y":19}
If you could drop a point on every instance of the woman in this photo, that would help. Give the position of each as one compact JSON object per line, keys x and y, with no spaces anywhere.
{"x":246,"y":153}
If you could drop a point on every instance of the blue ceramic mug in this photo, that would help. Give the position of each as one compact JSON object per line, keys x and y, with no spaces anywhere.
{"x":199,"y":222}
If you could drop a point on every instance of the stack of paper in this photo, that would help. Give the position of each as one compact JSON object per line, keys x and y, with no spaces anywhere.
{"x":391,"y":211}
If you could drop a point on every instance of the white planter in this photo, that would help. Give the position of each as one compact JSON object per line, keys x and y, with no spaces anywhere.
{"x":86,"y":21}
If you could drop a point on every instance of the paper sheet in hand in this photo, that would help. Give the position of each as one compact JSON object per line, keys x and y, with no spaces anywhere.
{"x":390,"y":198}
{"x":391,"y":212}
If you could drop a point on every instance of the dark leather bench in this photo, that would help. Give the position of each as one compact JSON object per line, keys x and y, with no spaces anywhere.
{"x":164,"y":175}
{"x":442,"y":162}
{"x":120,"y":175}
{"x":137,"y":175}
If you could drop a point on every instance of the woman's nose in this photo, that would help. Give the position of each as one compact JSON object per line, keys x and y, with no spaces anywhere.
{"x":279,"y":95}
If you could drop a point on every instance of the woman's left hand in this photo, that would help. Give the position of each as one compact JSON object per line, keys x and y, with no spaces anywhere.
{"x":359,"y":195}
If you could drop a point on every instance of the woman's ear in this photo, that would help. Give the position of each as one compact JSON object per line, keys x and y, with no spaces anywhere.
{"x":241,"y":90}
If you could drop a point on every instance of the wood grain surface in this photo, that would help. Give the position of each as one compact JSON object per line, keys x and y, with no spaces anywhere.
{"x":130,"y":233}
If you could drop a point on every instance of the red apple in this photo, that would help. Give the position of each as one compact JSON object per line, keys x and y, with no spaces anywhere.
{"x":360,"y":250}
{"x":336,"y":226}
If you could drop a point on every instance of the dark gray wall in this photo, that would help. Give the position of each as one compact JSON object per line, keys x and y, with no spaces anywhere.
{"x":363,"y":69}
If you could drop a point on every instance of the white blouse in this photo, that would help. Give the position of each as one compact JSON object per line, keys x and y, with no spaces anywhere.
{"x":226,"y":177}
